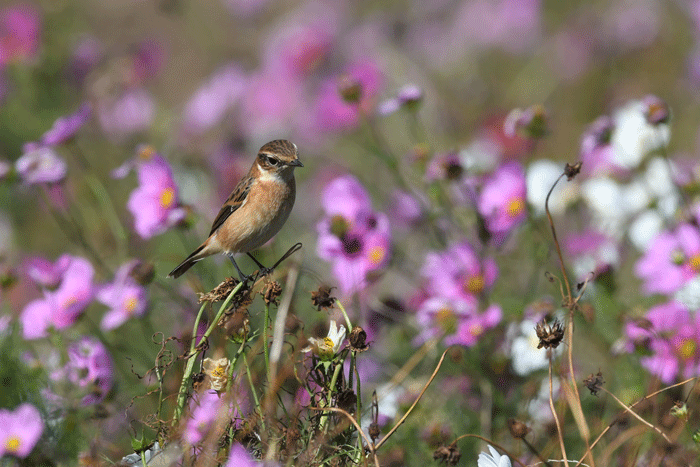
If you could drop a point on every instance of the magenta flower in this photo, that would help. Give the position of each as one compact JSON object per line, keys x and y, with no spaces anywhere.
{"x":299,"y":49}
{"x":61,"y":307}
{"x":672,"y":334}
{"x":336,"y":112}
{"x":214,"y":98}
{"x":131,"y":113}
{"x":351,"y":235}
{"x":457,"y":321}
{"x":597,"y":152}
{"x":90,"y":368}
{"x":502,"y":200}
{"x":458,"y":274}
{"x":673,"y":258}
{"x":208,"y":410}
{"x":64,"y":128}
{"x":45,"y":273}
{"x":41,"y":165}
{"x":20,"y":28}
{"x":405,"y":208}
{"x":154,"y":204}
{"x":20,"y":429}
{"x":239,"y":457}
{"x":124,"y":296}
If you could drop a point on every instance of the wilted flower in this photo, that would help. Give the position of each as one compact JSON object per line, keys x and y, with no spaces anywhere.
{"x":60,"y":307}
{"x":493,"y":460}
{"x":155,"y":204}
{"x":502,"y":200}
{"x":351,"y":235}
{"x":525,"y":350}
{"x":328,"y":347}
{"x":450,"y":455}
{"x":20,"y":429}
{"x":125,"y":297}
{"x":90,"y":368}
{"x":41,"y":165}
{"x":550,"y":335}
{"x":217,"y":371}
{"x":322,"y":298}
{"x":594,"y":382}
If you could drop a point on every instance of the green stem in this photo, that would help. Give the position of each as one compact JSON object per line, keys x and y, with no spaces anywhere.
{"x":266,"y":348}
{"x":345,"y":315}
{"x":338,"y":367}
{"x":255,"y":393}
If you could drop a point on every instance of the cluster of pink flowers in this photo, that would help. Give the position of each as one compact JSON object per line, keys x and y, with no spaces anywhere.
{"x":67,"y":289}
{"x":672,"y":334}
{"x":124,"y":296}
{"x":354,"y":237}
{"x":455,"y":280}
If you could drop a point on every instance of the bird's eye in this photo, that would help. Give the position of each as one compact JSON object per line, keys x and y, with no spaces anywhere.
{"x":272,"y":160}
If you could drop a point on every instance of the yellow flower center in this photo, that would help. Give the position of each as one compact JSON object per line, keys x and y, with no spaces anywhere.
{"x":446,"y":320}
{"x":130,"y":304}
{"x":694,"y":262}
{"x":475,"y":284}
{"x":70,"y":301}
{"x":515,"y":207}
{"x":476,"y":330}
{"x":218,"y":372}
{"x":146,"y":152}
{"x":13,"y":443}
{"x":328,"y":342}
{"x":167,"y":198}
{"x":376,"y":255}
{"x":687,"y":349}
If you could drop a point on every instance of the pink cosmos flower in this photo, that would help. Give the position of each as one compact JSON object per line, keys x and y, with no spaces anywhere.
{"x":333,"y":112}
{"x":597,"y":152}
{"x":20,"y":30}
{"x":41,"y":165}
{"x":209,"y":410}
{"x":20,"y":429}
{"x":458,"y":274}
{"x":672,"y":334}
{"x":502,"y":200}
{"x":90,"y":368}
{"x":131,"y":113}
{"x":239,"y":457}
{"x":64,"y":128}
{"x":673,"y":258}
{"x":458,"y":321}
{"x":124,"y":296}
{"x":154,"y":204}
{"x":45,"y":273}
{"x":61,"y":307}
{"x":351,"y":235}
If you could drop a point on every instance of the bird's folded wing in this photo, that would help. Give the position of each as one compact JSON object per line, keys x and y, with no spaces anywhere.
{"x":235,"y":201}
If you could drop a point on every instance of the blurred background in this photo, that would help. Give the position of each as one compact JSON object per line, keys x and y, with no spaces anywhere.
{"x":386,"y":91}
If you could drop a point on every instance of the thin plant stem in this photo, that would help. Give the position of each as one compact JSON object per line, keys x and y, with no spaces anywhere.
{"x":554,"y":412}
{"x":345,"y":315}
{"x":635,"y":415}
{"x":255,"y":393}
{"x":266,"y":346}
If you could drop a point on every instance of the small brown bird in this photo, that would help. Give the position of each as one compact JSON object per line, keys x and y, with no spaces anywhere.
{"x":256,"y":210}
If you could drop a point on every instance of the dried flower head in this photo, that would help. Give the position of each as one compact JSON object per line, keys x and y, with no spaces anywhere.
{"x":550,"y":336}
{"x":271,"y":292}
{"x":594,"y":383}
{"x":347,"y":400}
{"x":450,"y":455}
{"x":358,"y":339}
{"x":236,"y":325}
{"x":220,"y":292}
{"x":680,"y":410}
{"x":217,"y":371}
{"x":321,"y":298}
{"x":374,"y":431}
{"x":518,"y":429}
{"x":572,"y":170}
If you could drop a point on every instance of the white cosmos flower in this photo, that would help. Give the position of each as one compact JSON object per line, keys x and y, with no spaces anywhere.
{"x":493,"y":460}
{"x":329,"y":346}
{"x":539,"y":178}
{"x":634,"y":137}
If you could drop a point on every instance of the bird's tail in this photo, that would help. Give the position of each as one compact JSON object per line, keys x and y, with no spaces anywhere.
{"x":188,"y":262}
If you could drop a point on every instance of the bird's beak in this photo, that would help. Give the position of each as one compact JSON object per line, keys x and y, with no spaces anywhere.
{"x":295,"y":163}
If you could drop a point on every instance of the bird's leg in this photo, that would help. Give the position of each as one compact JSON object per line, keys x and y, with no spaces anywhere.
{"x":263,"y":270}
{"x":242,"y":276}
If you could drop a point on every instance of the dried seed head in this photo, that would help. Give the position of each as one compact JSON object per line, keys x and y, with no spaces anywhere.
{"x":450,"y":455}
{"x":347,"y":400}
{"x":572,"y":170}
{"x":143,"y":272}
{"x":236,"y":325}
{"x":594,"y":383}
{"x":272,"y":292}
{"x":374,"y":431}
{"x":518,"y":429}
{"x":220,"y":292}
{"x":358,"y":338}
{"x":549,"y":336}
{"x":321,"y":298}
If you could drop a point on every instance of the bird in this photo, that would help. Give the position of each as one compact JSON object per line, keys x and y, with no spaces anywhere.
{"x":255,"y":211}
